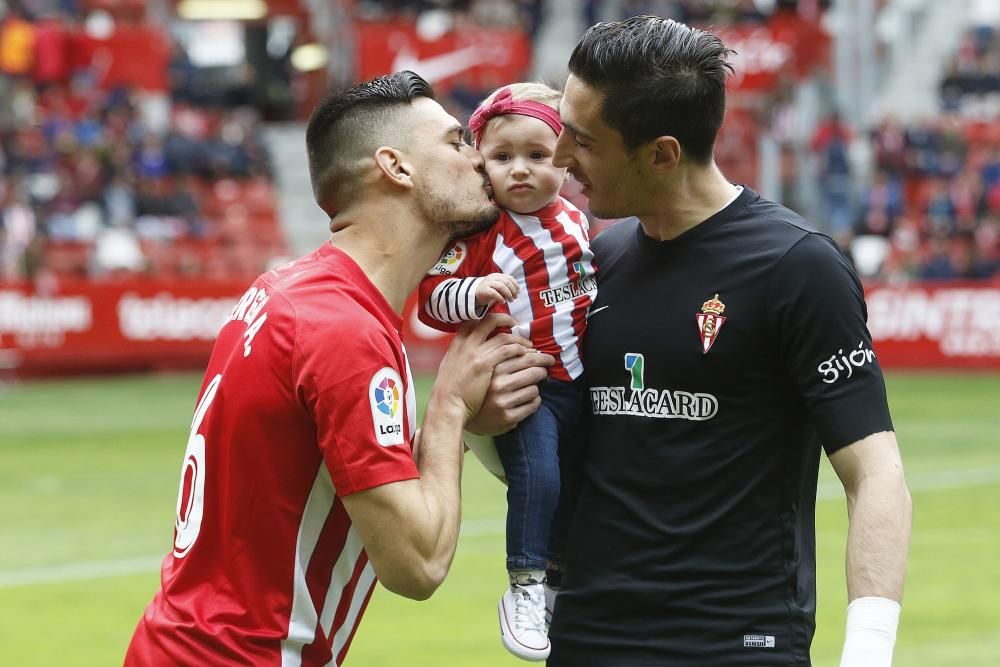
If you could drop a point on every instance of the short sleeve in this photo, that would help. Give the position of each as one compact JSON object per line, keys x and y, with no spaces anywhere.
{"x":356,"y":391}
{"x":817,"y":310}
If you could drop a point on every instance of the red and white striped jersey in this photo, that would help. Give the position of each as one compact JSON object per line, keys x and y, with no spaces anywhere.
{"x":307,"y":399}
{"x":548,"y":253}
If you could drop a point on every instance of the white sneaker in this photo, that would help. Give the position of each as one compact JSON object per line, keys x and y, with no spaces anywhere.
{"x":550,"y":603}
{"x":522,"y":622}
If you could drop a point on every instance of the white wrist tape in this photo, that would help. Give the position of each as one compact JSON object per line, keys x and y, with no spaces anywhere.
{"x":871,"y":632}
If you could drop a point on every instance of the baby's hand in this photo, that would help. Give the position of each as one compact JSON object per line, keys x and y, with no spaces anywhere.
{"x":496,"y":287}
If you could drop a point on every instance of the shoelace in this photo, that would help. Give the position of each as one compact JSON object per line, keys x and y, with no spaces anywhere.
{"x":529,"y":610}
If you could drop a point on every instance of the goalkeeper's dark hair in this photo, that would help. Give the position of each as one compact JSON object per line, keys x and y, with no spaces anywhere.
{"x":659,"y":78}
{"x":348,"y":125}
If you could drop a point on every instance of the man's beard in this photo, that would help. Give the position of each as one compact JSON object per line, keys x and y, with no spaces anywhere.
{"x":446,"y":212}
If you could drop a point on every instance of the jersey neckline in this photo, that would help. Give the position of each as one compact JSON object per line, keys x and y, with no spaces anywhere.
{"x":354,"y":274}
{"x":550,"y":210}
{"x":702,"y":228}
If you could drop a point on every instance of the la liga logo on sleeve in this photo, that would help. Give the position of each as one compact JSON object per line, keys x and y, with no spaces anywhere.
{"x":450,"y":260}
{"x":385,"y":393}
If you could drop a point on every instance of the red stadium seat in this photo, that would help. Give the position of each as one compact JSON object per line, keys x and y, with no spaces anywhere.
{"x":68,"y":258}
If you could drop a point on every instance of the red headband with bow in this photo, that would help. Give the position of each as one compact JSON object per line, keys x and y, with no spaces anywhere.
{"x":503,"y":104}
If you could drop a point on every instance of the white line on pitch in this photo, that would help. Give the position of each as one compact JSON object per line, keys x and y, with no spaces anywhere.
{"x":927,"y":481}
{"x":51,"y":574}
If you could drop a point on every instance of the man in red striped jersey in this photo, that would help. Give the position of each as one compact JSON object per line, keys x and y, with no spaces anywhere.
{"x":304,"y":477}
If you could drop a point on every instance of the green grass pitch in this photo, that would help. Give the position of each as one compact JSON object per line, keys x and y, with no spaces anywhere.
{"x":88,"y":483}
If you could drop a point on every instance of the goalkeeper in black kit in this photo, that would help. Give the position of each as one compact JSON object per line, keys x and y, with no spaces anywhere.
{"x":727,"y":349}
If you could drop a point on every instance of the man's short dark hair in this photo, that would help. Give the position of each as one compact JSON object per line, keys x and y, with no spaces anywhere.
{"x":348,"y":125}
{"x":659,"y":78}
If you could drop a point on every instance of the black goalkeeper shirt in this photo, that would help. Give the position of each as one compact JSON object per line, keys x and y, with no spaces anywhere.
{"x":717,"y":363}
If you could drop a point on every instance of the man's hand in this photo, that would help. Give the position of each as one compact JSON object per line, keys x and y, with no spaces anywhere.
{"x":512,"y":395}
{"x":496,"y":287}
{"x":410,"y":528}
{"x":467,"y":369}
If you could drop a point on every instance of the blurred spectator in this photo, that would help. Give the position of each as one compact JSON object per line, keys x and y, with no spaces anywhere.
{"x":150,"y":158}
{"x":953,"y":88}
{"x":165,"y":211}
{"x":119,"y":200}
{"x":17,"y":57}
{"x":889,"y":142}
{"x":991,"y":174}
{"x":922,"y":147}
{"x":952,"y":147}
{"x":988,"y":245}
{"x":902,"y":262}
{"x":881,"y":205}
{"x":17,"y":43}
{"x":17,"y":231}
{"x":939,"y":211}
{"x":831,"y":144}
{"x":51,"y":50}
{"x":967,"y":196}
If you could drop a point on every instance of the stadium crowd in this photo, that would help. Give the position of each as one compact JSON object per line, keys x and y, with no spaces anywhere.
{"x":436,"y":15}
{"x":931,"y":207}
{"x":935,"y":199}
{"x":99,"y":181}
{"x":527,"y":14}
{"x":102,"y":181}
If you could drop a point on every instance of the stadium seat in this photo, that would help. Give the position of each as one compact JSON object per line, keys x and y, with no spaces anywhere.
{"x":68,"y":258}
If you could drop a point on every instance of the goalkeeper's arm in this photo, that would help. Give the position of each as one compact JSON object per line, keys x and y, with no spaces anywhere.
{"x":879,"y":515}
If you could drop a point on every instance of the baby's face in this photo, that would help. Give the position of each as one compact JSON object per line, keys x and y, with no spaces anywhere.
{"x":518,"y":153}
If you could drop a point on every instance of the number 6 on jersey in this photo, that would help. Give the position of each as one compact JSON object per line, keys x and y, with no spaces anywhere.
{"x":191,"y":493}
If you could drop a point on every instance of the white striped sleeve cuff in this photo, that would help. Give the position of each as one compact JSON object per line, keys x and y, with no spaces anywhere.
{"x":454,"y":301}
